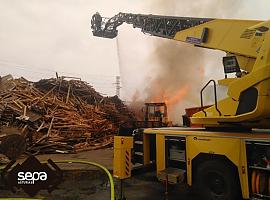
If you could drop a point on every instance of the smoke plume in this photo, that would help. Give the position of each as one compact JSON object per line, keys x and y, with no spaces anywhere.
{"x":177,"y":77}
{"x":177,"y":71}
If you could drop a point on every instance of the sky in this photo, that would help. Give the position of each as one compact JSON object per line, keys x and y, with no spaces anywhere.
{"x":41,"y":37}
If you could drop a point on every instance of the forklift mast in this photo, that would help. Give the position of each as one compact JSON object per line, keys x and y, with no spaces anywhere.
{"x":156,"y":112}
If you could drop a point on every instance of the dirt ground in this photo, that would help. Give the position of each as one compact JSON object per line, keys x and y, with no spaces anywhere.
{"x":84,"y":182}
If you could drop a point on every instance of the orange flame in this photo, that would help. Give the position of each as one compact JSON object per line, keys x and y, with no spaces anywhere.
{"x":171,"y":98}
{"x":177,"y":97}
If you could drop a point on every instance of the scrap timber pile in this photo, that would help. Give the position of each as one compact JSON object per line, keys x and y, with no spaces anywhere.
{"x":59,"y":114}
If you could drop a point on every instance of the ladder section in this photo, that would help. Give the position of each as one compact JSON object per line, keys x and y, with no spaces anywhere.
{"x":144,"y":149}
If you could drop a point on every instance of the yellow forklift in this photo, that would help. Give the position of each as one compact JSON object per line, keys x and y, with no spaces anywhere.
{"x":155,"y":115}
{"x":229,"y":157}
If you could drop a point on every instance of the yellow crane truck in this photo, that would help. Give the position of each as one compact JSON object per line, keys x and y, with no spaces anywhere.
{"x":229,"y":158}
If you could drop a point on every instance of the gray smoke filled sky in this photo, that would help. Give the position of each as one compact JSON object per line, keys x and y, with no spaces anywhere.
{"x":41,"y":37}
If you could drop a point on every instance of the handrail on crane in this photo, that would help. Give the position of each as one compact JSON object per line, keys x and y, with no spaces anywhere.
{"x":215,"y":96}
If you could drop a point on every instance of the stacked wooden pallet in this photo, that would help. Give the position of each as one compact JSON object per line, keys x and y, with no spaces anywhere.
{"x":60,"y":114}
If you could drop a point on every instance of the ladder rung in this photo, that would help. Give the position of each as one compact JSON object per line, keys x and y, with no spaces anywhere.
{"x":138,"y":142}
{"x":138,"y":153}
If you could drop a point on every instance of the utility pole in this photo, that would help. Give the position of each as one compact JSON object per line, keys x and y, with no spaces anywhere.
{"x":117,"y":86}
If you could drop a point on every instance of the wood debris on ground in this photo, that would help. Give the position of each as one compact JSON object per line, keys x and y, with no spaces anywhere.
{"x":60,"y":115}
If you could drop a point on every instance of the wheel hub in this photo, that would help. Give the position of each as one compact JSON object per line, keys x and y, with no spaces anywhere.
{"x":216,"y":183}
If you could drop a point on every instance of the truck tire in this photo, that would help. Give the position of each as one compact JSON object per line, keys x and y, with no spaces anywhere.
{"x":217,"y":180}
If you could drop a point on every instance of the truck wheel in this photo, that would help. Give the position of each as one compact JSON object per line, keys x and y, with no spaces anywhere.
{"x":216,"y":180}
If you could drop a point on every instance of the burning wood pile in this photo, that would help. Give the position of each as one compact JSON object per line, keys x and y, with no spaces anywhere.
{"x":60,"y":115}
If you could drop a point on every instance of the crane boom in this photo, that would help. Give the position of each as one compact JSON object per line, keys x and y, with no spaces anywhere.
{"x":247,"y":47}
{"x":205,"y":32}
{"x":156,"y":25}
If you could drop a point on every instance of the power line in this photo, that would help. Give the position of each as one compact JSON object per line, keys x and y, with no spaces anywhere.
{"x":97,"y":81}
{"x":23,"y":66}
{"x":102,"y":83}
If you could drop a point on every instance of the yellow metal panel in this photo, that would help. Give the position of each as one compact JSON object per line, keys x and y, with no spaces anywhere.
{"x":247,"y":81}
{"x":243,"y":171}
{"x":220,"y":146}
{"x":226,"y":106}
{"x":123,"y":142}
{"x":146,"y":149}
{"x":233,"y":149}
{"x":226,"y":81}
{"x":245,"y":63}
{"x":223,"y":35}
{"x":188,"y":160}
{"x":122,"y":157}
{"x":160,"y":152}
{"x":257,"y":134}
